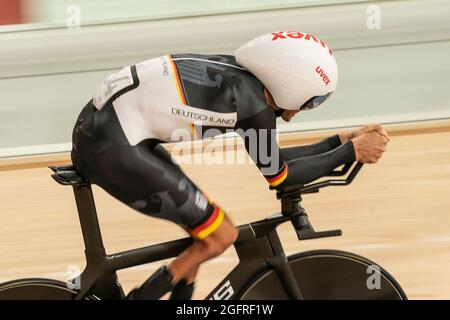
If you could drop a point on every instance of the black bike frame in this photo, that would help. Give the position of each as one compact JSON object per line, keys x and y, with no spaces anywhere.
{"x":258,"y":247}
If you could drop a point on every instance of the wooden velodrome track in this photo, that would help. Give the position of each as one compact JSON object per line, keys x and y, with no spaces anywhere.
{"x":396,"y":213}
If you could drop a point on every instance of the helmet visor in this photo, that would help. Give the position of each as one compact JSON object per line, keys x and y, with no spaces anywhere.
{"x":314,"y":102}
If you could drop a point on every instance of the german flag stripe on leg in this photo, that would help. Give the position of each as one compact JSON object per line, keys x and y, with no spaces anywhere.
{"x":210,"y":225}
{"x":279,"y":177}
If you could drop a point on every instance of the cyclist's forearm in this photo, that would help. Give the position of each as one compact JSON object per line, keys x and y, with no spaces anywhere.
{"x":323,"y":146}
{"x":307,"y":169}
{"x":346,"y":136}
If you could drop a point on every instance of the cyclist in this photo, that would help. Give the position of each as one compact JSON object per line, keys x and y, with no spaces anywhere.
{"x":117,"y":137}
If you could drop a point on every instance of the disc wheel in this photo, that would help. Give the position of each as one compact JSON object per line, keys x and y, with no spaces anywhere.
{"x":328,"y":275}
{"x":38,"y":289}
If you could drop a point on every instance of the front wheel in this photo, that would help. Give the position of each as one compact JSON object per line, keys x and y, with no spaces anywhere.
{"x":328,"y":275}
{"x":37,"y":289}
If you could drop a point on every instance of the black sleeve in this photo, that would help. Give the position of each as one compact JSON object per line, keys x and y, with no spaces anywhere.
{"x":307,"y":169}
{"x":259,"y":135}
{"x":325,"y":145}
{"x":257,"y":126}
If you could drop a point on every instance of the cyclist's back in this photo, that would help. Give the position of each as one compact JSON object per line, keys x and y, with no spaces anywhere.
{"x":178,"y":96}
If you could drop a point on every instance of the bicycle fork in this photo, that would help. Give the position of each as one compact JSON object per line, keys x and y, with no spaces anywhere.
{"x":282,"y":267}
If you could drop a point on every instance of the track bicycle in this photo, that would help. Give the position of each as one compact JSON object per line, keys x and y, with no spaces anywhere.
{"x":263,"y":272}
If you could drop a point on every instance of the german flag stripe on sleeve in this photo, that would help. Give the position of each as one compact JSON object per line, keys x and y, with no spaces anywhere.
{"x":180,"y":92}
{"x":210,"y":225}
{"x":177,"y":81}
{"x":278,"y":178}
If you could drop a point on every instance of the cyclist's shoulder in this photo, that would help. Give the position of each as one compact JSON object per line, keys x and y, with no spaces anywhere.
{"x":249,"y":94}
{"x":222,"y":64}
{"x":223,"y":60}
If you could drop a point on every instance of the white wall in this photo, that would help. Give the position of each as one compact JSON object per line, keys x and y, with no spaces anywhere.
{"x":398,"y":73}
{"x":54,"y":13}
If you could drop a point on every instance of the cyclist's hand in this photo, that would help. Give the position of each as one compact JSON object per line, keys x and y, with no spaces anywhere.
{"x":370,"y":146}
{"x":365,"y":129}
{"x":369,"y":128}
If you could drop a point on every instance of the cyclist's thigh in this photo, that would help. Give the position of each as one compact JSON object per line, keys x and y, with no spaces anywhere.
{"x":150,"y":183}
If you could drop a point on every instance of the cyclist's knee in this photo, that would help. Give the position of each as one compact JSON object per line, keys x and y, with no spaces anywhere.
{"x":221,"y":239}
{"x":227,"y":237}
{"x":232,"y":235}
{"x":214,"y":246}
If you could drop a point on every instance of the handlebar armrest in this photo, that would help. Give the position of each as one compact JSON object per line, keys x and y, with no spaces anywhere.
{"x":314,"y":187}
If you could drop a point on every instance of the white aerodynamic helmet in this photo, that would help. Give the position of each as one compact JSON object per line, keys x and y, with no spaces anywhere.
{"x":298,"y":69}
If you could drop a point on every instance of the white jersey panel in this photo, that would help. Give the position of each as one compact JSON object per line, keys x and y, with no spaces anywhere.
{"x":143,"y":112}
{"x":111,"y":85}
{"x":157,"y":107}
